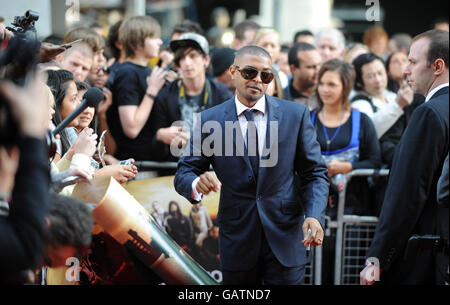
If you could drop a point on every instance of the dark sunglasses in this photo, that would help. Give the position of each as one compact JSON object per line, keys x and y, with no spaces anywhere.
{"x":249,"y":73}
{"x":105,"y":69}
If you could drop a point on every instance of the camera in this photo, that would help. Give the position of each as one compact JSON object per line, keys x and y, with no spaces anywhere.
{"x":24,"y":25}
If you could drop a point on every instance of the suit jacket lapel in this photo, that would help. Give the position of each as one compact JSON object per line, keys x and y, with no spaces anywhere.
{"x":230,"y":115}
{"x":274,"y":115}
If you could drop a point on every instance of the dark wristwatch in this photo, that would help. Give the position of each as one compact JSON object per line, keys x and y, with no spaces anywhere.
{"x":153,"y":97}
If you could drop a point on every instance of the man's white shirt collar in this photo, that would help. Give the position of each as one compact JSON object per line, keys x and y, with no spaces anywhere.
{"x":260,"y":105}
{"x":432,"y":92}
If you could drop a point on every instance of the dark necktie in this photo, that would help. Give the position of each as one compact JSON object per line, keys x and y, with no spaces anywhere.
{"x":252,"y":141}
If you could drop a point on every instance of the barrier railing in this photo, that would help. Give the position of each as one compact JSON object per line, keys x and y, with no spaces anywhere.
{"x":342,"y":222}
{"x":342,"y":219}
{"x":155,"y":165}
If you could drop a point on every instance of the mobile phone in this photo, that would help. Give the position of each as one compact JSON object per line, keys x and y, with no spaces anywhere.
{"x":100,"y":148}
{"x":69,"y":44}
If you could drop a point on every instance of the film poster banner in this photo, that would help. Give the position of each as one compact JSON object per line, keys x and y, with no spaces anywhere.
{"x":193,"y":227}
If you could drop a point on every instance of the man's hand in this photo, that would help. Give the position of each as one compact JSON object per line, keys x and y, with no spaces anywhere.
{"x":105,"y":103}
{"x":156,"y":80}
{"x":5,"y":33}
{"x":173,"y":135}
{"x":122,"y":173}
{"x":405,"y":95}
{"x":208,"y":182}
{"x":171,"y":76}
{"x":29,"y":105}
{"x":82,"y":174}
{"x":317,"y":233}
{"x":86,"y":143}
{"x":49,"y":51}
{"x":339,"y":167}
{"x":369,"y":275}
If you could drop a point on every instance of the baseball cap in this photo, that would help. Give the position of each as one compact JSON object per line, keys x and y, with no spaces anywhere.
{"x":190,"y":40}
{"x":222,"y":59}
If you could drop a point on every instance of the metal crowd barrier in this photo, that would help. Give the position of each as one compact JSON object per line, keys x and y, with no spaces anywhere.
{"x":312,"y":271}
{"x":353,"y":233}
{"x":155,"y":165}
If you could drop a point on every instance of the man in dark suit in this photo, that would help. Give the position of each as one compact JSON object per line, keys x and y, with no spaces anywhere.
{"x":410,"y":206}
{"x":264,"y":216}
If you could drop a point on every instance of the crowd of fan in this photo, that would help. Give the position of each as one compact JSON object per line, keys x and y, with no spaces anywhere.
{"x":143,"y":103}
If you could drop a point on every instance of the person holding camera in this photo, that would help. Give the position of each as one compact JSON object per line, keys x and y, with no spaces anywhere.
{"x":22,"y":232}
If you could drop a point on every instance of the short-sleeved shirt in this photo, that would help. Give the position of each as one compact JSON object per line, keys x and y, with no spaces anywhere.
{"x":130,"y":85}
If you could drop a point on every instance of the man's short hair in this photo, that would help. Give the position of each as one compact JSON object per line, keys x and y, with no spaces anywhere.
{"x":373,"y":33}
{"x":89,"y":36}
{"x":334,"y":34}
{"x":71,"y":222}
{"x":359,"y":62}
{"x":402,"y":41}
{"x":252,"y":50}
{"x":134,"y":30}
{"x":297,"y":48}
{"x":439,"y":20}
{"x":302,"y":33}
{"x":438,"y":47}
{"x":81,"y":47}
{"x":244,"y":26}
{"x":187,"y":26}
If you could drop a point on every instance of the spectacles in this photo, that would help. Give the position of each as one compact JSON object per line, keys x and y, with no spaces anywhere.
{"x":249,"y":73}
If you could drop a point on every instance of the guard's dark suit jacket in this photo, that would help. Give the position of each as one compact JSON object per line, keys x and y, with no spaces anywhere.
{"x":410,"y":205}
{"x":272,"y":205}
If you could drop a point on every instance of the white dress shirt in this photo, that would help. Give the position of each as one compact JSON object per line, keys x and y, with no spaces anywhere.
{"x":432,"y":92}
{"x":260,"y":120}
{"x":261,"y":126}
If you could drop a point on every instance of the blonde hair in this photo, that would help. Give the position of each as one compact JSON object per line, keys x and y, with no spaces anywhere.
{"x":82,"y":47}
{"x":134,"y":30}
{"x":95,"y":41}
{"x":263,"y":32}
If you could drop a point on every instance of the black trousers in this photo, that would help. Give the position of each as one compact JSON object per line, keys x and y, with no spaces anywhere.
{"x":268,"y":271}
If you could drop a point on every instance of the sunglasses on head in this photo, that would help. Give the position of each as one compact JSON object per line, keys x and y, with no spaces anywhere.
{"x":249,"y":73}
